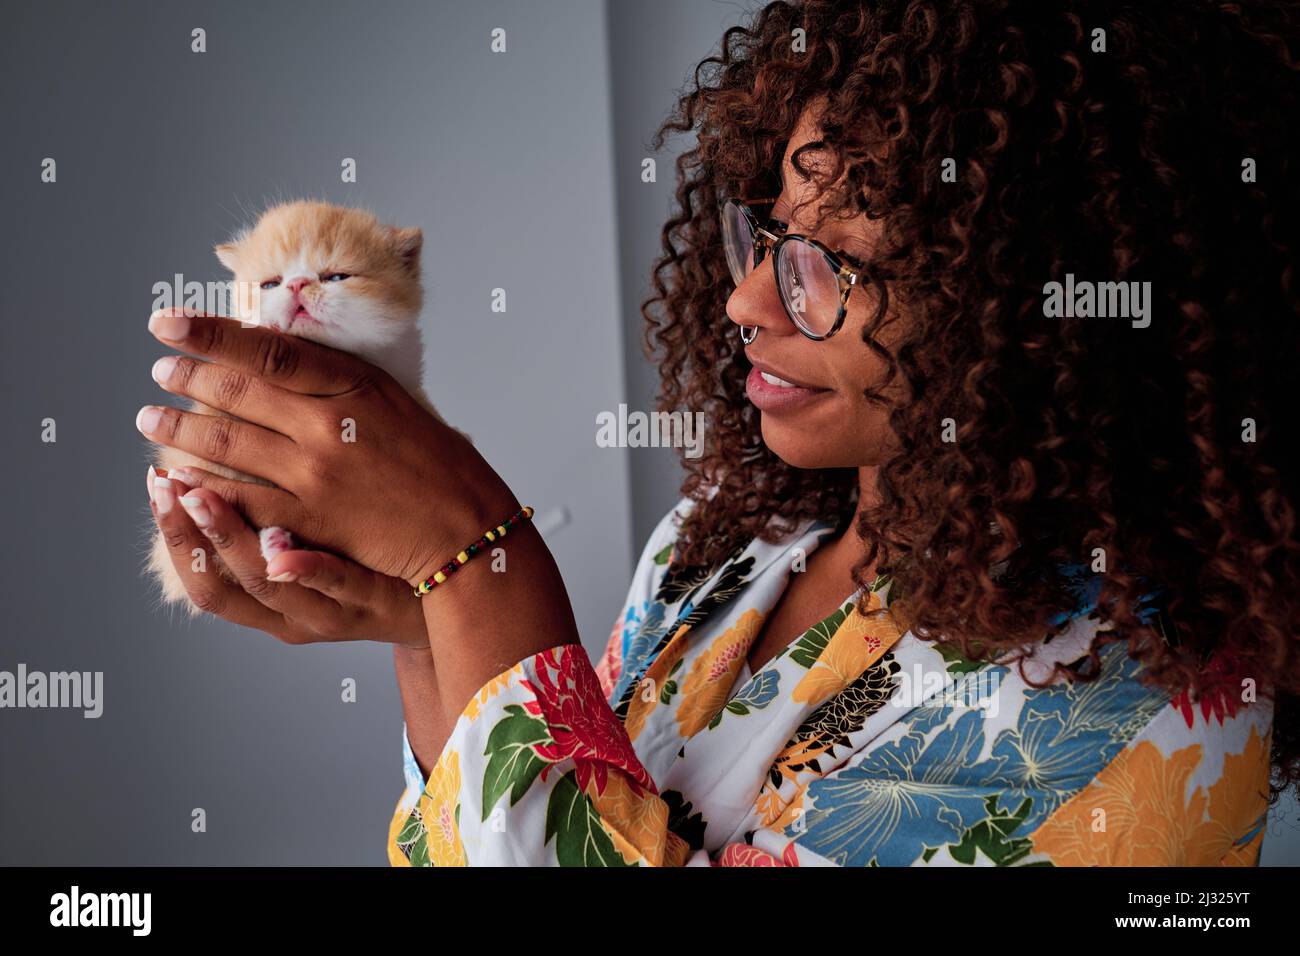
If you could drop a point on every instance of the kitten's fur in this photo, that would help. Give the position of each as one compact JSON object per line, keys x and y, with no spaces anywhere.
{"x":373,"y":313}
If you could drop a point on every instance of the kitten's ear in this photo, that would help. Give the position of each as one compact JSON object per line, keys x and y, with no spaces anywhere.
{"x":409,"y":242}
{"x":226,"y":253}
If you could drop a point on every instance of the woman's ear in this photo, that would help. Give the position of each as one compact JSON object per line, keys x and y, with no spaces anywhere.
{"x":408,"y":243}
{"x":227,"y":253}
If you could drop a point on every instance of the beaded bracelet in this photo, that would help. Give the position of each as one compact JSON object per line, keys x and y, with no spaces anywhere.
{"x":438,"y":577}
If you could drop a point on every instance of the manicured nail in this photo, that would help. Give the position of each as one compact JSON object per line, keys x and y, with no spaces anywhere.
{"x":163,"y":368}
{"x":186,"y":476}
{"x":164,"y":495}
{"x":284,"y":577}
{"x":173,"y":328}
{"x":148,"y":418}
{"x":197,"y":510}
{"x":149,"y":480}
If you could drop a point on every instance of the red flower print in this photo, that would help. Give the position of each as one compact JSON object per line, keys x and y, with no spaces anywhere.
{"x":1220,"y":693}
{"x":743,"y":854}
{"x":567,"y":695}
{"x":610,"y":666}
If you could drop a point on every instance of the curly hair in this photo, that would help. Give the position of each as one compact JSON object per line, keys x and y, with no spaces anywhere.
{"x":1132,"y":163}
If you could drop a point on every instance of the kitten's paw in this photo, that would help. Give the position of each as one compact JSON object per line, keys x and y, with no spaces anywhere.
{"x":274,"y":541}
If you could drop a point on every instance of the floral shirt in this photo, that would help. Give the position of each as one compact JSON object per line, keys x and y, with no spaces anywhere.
{"x":857,"y":745}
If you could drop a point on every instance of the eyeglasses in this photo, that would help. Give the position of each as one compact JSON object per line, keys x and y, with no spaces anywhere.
{"x":814,"y":282}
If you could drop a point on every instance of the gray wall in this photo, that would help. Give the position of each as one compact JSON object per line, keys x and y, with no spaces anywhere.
{"x":653,"y":49}
{"x":160,"y":151}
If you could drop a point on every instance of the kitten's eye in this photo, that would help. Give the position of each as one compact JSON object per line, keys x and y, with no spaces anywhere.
{"x":335,"y":277}
{"x":270,"y":284}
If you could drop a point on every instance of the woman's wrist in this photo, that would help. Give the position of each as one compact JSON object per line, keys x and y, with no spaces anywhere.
{"x":493,"y":614}
{"x":475,"y":513}
{"x":417,"y":684}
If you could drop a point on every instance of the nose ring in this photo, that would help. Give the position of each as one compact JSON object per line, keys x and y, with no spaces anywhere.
{"x":748,"y":333}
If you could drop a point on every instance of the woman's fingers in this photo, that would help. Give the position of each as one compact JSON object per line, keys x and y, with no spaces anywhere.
{"x":323,"y":572}
{"x":227,"y":441}
{"x":353,"y":585}
{"x":237,"y":545}
{"x":204,"y":585}
{"x":229,"y":390}
{"x":287,"y":361}
{"x":263,"y":505}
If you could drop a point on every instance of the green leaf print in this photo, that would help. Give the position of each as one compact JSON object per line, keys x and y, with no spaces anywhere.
{"x":662,"y":556}
{"x":757,"y":694}
{"x":580,"y":840}
{"x":512,"y":762}
{"x":411,"y":831}
{"x":990,"y":837}
{"x":669,"y":689}
{"x":809,"y":647}
{"x":957,"y":663}
{"x":419,"y":855}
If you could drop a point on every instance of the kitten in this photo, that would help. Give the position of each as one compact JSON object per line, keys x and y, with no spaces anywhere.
{"x":330,"y":274}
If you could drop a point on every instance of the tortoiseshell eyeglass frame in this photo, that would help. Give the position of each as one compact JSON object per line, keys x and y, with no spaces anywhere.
{"x":848,"y":271}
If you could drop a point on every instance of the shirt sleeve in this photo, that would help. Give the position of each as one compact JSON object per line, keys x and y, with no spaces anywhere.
{"x":539,"y":770}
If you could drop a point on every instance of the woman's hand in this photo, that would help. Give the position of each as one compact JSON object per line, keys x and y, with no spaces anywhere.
{"x":300,"y":597}
{"x":359,"y":466}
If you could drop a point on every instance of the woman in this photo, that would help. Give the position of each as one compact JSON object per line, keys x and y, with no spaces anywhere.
{"x":991,"y":557}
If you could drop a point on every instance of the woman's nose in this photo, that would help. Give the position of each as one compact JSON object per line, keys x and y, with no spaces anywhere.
{"x":757,"y":303}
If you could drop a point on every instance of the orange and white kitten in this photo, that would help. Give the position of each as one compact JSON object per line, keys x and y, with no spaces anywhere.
{"x":336,"y":276}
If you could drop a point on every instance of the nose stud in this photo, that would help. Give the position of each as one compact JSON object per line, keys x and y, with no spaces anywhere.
{"x":748,"y":333}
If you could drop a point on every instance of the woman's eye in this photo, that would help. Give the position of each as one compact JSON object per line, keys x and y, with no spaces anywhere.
{"x":335,"y":277}
{"x":270,"y":284}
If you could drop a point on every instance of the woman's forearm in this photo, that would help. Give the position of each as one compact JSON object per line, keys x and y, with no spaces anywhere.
{"x":426,"y":726}
{"x":483,"y":621}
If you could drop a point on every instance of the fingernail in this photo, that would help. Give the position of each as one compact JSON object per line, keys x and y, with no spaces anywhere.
{"x":148,"y":418}
{"x":162,"y":369}
{"x":164,"y":495}
{"x":149,"y":480}
{"x":173,"y":328}
{"x":197,"y":510}
{"x":186,"y":476}
{"x":284,"y":577}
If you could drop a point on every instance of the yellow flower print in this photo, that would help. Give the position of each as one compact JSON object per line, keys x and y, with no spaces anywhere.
{"x":637,"y":822}
{"x":1149,"y":818}
{"x":859,"y":641}
{"x":776,"y":813}
{"x":639,"y":708}
{"x":437,"y":809}
{"x":490,"y":690}
{"x":395,"y":855}
{"x":714,"y":673}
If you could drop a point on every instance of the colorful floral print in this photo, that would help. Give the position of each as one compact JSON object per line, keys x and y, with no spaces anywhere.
{"x":857,"y":745}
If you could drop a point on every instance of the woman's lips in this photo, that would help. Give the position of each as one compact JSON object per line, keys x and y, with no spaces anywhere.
{"x":772,"y":397}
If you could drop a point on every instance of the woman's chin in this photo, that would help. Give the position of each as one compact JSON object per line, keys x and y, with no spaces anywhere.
{"x":803,"y":449}
{"x":819,"y":445}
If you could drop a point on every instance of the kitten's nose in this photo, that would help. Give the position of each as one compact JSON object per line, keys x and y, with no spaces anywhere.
{"x":296,"y":283}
